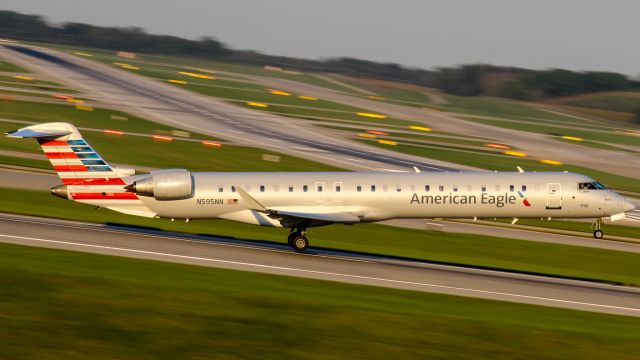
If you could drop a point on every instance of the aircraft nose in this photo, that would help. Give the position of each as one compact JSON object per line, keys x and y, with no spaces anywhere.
{"x":628,"y":206}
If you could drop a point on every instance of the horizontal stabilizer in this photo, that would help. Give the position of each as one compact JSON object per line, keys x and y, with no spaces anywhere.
{"x":31,"y":133}
{"x":337,"y":217}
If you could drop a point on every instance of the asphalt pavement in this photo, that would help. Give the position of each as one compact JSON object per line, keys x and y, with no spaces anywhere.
{"x":331,"y":266}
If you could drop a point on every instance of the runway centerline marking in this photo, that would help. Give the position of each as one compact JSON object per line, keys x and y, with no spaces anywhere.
{"x":318,"y":272}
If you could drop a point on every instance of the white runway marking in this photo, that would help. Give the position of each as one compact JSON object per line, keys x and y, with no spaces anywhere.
{"x":339,"y":275}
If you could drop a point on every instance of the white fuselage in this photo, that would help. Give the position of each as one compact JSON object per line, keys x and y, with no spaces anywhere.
{"x":381,"y":196}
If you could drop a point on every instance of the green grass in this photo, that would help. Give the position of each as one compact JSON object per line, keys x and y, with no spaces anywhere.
{"x":616,"y":230}
{"x":25,"y":92}
{"x":509,"y":163}
{"x":147,"y":152}
{"x":11,"y":67}
{"x":99,"y":118}
{"x":500,"y":108}
{"x":464,"y":249}
{"x":32,"y":163}
{"x":613,"y":101}
{"x":62,"y":304}
{"x":536,"y":127}
{"x":33,"y":82}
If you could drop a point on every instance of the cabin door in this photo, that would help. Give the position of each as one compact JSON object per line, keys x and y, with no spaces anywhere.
{"x":554,"y":196}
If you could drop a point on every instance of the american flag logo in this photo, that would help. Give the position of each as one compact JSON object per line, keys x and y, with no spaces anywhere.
{"x":232,"y":201}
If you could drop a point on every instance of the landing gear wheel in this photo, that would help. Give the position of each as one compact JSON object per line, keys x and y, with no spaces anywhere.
{"x":300,"y":243}
{"x":598,"y":234}
{"x":291,"y":238}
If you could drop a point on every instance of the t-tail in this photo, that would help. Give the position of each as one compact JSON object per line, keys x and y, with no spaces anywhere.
{"x":86,"y":177}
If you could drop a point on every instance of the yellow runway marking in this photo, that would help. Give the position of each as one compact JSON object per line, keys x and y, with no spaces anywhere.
{"x":420,"y":128}
{"x":199,"y":76}
{"x":572,"y":138}
{"x":550,"y":162}
{"x":257,"y":104}
{"x":387,"y":142}
{"x":371,"y":115}
{"x":368,"y":136}
{"x":515,"y":153}
{"x":279,"y":92}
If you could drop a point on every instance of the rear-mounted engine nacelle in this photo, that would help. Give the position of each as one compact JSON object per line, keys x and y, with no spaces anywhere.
{"x":165,"y":185}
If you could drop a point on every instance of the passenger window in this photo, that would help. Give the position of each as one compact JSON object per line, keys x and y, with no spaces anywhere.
{"x":483,"y":188}
{"x":319,"y":188}
{"x":455,"y":188}
{"x":373,"y":188}
{"x":290,"y":188}
{"x":441,"y":188}
{"x":512,"y":188}
{"x":427,"y":188}
{"x":220,"y":189}
{"x":524,"y":188}
{"x":261,"y":188}
{"x":338,"y":188}
{"x":398,"y":188}
{"x":233,"y":189}
{"x":359,"y":188}
{"x":305,"y":188}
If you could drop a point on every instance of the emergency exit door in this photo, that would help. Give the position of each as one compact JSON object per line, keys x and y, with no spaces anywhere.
{"x":554,"y":196}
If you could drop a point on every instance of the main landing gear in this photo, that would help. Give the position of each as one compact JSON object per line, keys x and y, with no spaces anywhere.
{"x":597,"y":232}
{"x":298,"y":240}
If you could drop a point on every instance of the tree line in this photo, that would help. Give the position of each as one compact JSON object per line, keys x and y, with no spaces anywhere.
{"x":466,"y":80}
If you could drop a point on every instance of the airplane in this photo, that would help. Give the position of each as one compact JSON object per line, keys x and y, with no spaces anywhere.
{"x":299,"y":201}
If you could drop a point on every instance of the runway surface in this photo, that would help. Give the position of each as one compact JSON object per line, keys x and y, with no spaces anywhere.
{"x":342,"y":267}
{"x":173,"y":106}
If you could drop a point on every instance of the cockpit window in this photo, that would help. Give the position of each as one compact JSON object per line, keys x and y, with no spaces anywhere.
{"x":591,"y":186}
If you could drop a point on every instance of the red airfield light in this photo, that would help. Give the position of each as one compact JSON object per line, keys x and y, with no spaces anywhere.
{"x":498,"y":146}
{"x":211,"y":143}
{"x":377,"y":132}
{"x":162,"y":138}
{"x":114,"y":132}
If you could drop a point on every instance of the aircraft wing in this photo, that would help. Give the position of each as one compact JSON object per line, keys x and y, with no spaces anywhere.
{"x":336,"y":217}
{"x":333,"y":217}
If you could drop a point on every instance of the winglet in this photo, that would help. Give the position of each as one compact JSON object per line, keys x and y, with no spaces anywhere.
{"x":415,"y":168}
{"x":251,"y":203}
{"x":520,"y":169}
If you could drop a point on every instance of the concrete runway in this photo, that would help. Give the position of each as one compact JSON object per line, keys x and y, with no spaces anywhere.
{"x":536,"y":145}
{"x":187,"y":110}
{"x":342,"y":267}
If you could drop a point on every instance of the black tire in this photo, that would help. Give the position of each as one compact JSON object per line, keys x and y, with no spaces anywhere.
{"x":300,"y":243}
{"x":290,"y":239}
{"x":598,"y":234}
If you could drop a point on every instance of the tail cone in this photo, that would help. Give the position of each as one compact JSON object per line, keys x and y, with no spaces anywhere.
{"x":60,"y":191}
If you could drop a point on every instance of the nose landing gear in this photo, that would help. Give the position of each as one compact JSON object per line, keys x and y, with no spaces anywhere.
{"x":597,"y":232}
{"x":298,"y":240}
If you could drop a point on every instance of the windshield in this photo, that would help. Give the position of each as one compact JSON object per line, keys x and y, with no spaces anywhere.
{"x":591,"y":186}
